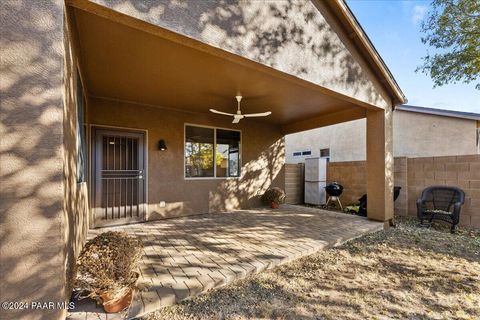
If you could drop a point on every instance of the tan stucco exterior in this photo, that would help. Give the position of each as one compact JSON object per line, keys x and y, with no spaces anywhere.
{"x":44,"y":210}
{"x":262,"y":159}
{"x":76,"y":197}
{"x":414,"y":135}
{"x":301,"y":38}
{"x":42,"y":207}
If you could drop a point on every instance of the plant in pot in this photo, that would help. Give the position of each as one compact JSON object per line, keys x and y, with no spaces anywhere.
{"x":106,"y":269}
{"x":273,"y":197}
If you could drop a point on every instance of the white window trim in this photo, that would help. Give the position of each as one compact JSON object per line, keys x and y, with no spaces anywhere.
{"x":215,"y":150}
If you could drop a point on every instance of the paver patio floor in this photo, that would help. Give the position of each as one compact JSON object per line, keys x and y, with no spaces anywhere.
{"x":184,"y":257}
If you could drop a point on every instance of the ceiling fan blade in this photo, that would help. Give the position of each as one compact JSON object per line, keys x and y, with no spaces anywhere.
{"x":222,"y":113}
{"x":262,"y":114}
{"x":236,"y":120}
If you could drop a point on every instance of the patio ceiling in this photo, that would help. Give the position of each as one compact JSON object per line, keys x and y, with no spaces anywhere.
{"x":126,"y":59}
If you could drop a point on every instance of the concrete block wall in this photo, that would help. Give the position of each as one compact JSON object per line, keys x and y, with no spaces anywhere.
{"x":352,"y":175}
{"x":294,"y":180}
{"x":459,"y":171}
{"x":413,"y":175}
{"x":400,"y":171}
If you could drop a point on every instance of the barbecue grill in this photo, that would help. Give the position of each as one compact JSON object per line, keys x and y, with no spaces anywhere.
{"x":334,"y":191}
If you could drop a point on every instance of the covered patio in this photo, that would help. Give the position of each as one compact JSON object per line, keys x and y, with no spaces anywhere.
{"x":143,"y":77}
{"x":184,"y":257}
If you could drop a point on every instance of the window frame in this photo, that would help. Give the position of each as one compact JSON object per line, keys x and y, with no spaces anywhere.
{"x":240,"y":150}
{"x":81,"y":143}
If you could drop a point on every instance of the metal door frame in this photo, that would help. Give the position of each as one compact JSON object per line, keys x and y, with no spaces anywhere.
{"x":93,"y":128}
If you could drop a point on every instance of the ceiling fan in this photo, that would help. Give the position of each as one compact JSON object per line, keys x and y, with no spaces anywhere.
{"x":239,"y":116}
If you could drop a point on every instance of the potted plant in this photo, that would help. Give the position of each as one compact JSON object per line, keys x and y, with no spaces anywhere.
{"x":273,"y":197}
{"x":106,"y":269}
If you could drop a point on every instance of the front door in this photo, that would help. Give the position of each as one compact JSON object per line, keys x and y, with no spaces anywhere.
{"x":119,"y":177}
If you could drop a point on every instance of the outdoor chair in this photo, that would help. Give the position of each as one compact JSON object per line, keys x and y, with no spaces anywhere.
{"x":441,"y":203}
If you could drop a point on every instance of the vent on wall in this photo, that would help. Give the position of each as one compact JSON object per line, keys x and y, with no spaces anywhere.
{"x":325,"y":153}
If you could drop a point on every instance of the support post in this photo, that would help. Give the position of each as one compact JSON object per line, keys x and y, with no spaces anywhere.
{"x":380,"y":165}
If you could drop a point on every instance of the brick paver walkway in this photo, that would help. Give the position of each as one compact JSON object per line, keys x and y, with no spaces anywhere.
{"x":184,"y":257}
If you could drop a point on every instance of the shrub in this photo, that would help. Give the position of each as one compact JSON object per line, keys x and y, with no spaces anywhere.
{"x":273,"y":195}
{"x":107,"y":264}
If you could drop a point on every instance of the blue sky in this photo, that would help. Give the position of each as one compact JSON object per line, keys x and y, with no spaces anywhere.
{"x":394,"y":28}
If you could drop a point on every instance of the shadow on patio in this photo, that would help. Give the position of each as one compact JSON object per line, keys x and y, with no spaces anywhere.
{"x":187,"y":256}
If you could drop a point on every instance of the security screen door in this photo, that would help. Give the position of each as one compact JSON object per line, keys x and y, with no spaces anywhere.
{"x":119,"y":177}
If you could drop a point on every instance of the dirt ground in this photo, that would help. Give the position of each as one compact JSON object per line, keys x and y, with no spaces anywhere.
{"x":405,"y":272}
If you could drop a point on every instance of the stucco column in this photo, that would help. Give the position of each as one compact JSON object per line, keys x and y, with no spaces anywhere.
{"x":380,"y":165}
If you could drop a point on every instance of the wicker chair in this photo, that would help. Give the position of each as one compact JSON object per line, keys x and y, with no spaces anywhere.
{"x":442,"y":203}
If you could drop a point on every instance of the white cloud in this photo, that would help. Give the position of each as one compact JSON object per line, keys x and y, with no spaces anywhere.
{"x":418,"y":13}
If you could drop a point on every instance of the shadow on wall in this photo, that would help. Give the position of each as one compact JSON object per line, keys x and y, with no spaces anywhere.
{"x":75,"y":193}
{"x":33,"y":231}
{"x":291,"y":36}
{"x":256,"y":177}
{"x":31,"y":156}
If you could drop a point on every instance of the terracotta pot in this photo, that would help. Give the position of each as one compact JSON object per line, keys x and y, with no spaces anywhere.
{"x":118,"y":304}
{"x":274,"y":205}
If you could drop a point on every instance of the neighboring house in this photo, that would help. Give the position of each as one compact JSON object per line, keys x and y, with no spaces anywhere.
{"x":417,"y":132}
{"x":105,"y":117}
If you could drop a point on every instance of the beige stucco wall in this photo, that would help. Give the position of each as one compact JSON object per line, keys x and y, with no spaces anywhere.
{"x":346,"y":141}
{"x":262,"y":159}
{"x":43,"y":209}
{"x":423,"y":135}
{"x":298,"y":37}
{"x":32,"y":226}
{"x":414,"y":135}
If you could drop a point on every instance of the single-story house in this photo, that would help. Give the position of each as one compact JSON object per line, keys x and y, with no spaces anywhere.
{"x":417,"y":132}
{"x":105,"y":117}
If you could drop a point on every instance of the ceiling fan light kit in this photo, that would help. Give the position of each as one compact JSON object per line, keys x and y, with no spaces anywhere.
{"x":239,"y":116}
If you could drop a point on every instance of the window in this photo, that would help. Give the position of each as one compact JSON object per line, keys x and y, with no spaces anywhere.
{"x":306,"y":153}
{"x":297,"y":154}
{"x":227,"y":160}
{"x":81,"y":142}
{"x":211,"y":152}
{"x":325,"y":153}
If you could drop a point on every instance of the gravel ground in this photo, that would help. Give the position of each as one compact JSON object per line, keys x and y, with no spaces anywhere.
{"x":405,"y":272}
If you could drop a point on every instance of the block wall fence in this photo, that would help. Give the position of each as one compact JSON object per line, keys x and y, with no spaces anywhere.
{"x":411,"y":174}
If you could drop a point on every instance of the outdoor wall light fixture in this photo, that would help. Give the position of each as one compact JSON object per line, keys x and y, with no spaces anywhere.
{"x":161,"y":145}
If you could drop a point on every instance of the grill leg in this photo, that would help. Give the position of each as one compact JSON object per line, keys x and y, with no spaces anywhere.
{"x":328,"y":201}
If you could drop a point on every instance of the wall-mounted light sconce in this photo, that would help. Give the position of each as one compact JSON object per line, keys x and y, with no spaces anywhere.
{"x":161,"y":145}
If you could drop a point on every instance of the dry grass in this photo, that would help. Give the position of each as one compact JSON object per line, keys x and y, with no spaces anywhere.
{"x":402,"y":273}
